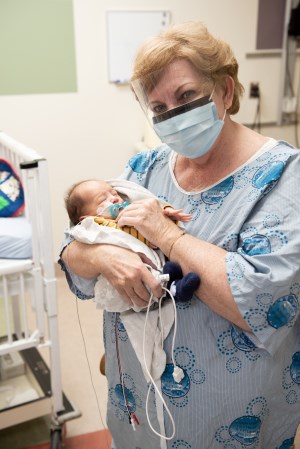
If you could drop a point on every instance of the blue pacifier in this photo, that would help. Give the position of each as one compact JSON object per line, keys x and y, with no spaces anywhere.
{"x":115,"y":209}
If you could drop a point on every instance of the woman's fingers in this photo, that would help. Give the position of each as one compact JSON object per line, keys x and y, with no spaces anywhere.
{"x":170,"y":212}
{"x":126,"y":272}
{"x":140,"y":288}
{"x":147,"y":217}
{"x":153,"y":284}
{"x":185,"y":217}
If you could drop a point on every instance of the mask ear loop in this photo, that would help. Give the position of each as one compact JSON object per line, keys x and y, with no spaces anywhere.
{"x":213,"y":91}
{"x":102,"y":210}
{"x":225,"y":110}
{"x":177,"y":373}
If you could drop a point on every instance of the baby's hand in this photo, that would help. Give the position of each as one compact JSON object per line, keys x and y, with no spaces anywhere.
{"x":177,"y":214}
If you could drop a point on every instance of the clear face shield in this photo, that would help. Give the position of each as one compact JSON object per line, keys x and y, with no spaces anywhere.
{"x":178,"y":104}
{"x":170,"y":91}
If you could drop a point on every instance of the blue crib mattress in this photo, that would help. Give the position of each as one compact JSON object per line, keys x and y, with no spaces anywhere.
{"x":15,"y":238}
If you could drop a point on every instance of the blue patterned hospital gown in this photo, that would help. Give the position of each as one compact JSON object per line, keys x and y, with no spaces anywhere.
{"x":240,"y":390}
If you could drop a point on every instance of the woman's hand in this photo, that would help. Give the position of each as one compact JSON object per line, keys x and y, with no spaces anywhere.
{"x":126,"y":272}
{"x":177,"y":214}
{"x":149,"y":219}
{"x":123,"y":269}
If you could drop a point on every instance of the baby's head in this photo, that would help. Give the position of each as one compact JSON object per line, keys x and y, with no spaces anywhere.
{"x":90,"y":197}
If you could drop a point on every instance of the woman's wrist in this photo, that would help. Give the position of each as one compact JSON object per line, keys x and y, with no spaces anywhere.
{"x":83,"y":259}
{"x":173,"y":243}
{"x":168,"y":239}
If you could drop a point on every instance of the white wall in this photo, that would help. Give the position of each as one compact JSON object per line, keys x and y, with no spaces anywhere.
{"x":93,"y":132}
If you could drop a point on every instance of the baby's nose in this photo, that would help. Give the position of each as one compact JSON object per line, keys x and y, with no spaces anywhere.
{"x":114,"y":199}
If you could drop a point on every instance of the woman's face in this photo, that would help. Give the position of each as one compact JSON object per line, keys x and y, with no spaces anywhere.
{"x":179,"y":83}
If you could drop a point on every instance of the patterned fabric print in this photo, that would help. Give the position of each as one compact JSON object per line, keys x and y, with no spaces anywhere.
{"x":180,"y":444}
{"x":244,"y":431}
{"x":142,"y":163}
{"x":124,"y":390}
{"x":262,"y":180}
{"x":237,"y":348}
{"x":227,"y":399}
{"x":287,"y":444}
{"x":268,"y":310}
{"x":279,"y":312}
{"x":270,"y":237}
{"x":123,"y":396}
{"x":291,"y":380}
{"x":178,"y":392}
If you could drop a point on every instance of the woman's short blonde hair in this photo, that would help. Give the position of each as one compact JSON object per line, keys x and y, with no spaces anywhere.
{"x":212,"y":57}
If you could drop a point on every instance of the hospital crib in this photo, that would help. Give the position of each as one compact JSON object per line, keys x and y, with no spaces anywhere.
{"x":29,"y":388}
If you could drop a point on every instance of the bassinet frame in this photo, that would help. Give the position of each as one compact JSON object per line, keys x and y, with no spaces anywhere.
{"x":32,"y":283}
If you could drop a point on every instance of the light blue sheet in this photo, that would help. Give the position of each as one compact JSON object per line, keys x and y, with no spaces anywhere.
{"x":15,"y":238}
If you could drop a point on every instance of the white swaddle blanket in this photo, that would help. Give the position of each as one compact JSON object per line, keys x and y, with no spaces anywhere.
{"x":106,"y":297}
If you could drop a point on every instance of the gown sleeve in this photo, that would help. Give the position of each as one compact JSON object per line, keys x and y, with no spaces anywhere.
{"x":81,"y":287}
{"x":263,"y":271}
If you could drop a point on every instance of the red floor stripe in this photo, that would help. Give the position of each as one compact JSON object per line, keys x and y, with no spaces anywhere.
{"x":94,"y":440}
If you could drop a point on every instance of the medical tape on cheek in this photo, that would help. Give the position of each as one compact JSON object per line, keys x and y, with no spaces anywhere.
{"x":115,"y":209}
{"x":112,"y":209}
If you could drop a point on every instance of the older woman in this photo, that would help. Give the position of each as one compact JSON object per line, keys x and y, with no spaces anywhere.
{"x":237,"y":340}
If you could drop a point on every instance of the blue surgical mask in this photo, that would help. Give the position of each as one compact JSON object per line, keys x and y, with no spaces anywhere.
{"x":191,"y":129}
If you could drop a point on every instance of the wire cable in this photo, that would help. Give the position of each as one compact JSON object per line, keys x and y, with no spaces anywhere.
{"x":292,"y":91}
{"x":131,"y":416}
{"x":296,"y":119}
{"x":178,"y":373}
{"x":85,"y":352}
{"x":257,"y":120}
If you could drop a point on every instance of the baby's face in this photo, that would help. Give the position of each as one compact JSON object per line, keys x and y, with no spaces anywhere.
{"x":98,"y":196}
